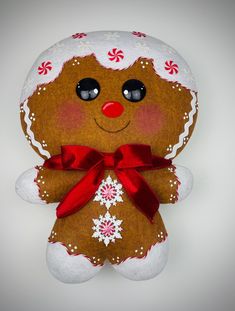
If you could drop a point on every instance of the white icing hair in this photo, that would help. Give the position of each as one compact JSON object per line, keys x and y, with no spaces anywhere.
{"x":112,"y":49}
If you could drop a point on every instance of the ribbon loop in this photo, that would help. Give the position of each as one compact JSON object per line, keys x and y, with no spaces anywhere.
{"x":133,"y":156}
{"x":79,"y":157}
{"x":125,"y":161}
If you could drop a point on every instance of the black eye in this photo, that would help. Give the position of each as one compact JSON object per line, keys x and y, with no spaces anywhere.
{"x":88,"y":89}
{"x":133,"y":90}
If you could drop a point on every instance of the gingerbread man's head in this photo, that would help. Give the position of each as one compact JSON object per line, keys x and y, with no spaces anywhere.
{"x":105,"y":89}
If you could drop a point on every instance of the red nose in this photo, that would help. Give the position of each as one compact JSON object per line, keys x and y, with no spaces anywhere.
{"x":112,"y":109}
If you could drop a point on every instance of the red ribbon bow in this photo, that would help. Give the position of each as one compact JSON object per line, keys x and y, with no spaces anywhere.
{"x":126,"y":161}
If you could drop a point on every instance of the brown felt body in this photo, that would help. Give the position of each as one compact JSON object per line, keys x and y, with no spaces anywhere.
{"x":174,"y":104}
{"x":138,"y":233}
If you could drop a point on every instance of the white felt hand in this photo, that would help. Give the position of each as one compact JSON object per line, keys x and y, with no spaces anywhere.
{"x":27,"y":188}
{"x":185,"y":178}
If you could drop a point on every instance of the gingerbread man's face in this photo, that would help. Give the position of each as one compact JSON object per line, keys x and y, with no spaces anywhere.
{"x":90,"y":104}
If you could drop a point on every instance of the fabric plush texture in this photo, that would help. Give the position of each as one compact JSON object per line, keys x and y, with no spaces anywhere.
{"x":104,"y":90}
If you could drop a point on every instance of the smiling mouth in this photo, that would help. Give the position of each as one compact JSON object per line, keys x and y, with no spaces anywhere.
{"x":109,"y":131}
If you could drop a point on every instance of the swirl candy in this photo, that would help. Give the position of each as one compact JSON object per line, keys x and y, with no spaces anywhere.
{"x":44,"y":68}
{"x":115,"y":55}
{"x":171,"y":67}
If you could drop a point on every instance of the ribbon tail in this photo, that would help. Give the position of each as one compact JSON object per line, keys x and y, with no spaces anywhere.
{"x":82,"y":192}
{"x":139,"y":192}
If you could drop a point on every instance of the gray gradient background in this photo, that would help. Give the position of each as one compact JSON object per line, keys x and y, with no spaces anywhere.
{"x":200,"y":272}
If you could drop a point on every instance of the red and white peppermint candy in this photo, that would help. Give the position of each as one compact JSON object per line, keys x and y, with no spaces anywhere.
{"x":108,"y":192}
{"x":171,"y":67}
{"x":138,"y":34}
{"x":44,"y":68}
{"x":116,"y":55}
{"x":107,"y":228}
{"x":79,"y":35}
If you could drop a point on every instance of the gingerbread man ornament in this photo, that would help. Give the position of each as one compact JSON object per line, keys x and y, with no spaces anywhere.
{"x":108,"y":112}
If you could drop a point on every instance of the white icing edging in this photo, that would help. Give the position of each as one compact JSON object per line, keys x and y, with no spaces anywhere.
{"x":27,"y":188}
{"x":69,"y":268}
{"x":30,"y":133}
{"x":186,"y":127}
{"x":146,"y":268}
{"x":185,"y":178}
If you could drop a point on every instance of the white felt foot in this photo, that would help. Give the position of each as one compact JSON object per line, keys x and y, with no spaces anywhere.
{"x":27,"y":188}
{"x":69,"y":268}
{"x":185,"y":178}
{"x":139,"y":269}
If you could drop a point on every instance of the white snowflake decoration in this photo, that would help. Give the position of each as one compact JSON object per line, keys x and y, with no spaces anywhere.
{"x":142,"y":47}
{"x":107,"y":228}
{"x":109,"y":192}
{"x":85,"y":46}
{"x":111,"y":36}
{"x":168,"y":49}
{"x":56,"y":47}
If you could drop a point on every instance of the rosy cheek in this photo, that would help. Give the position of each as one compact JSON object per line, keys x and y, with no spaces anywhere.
{"x":148,"y":119}
{"x":70,"y":116}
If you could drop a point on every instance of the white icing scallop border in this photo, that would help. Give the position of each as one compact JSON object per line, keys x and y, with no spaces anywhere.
{"x":186,"y":127}
{"x":30,"y":133}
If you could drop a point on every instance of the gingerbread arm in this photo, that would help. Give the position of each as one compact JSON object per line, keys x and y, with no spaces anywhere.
{"x":42,"y":185}
{"x":171,"y":184}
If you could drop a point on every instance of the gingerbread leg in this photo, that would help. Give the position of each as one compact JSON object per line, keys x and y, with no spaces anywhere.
{"x":146,"y":268}
{"x":69,"y":268}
